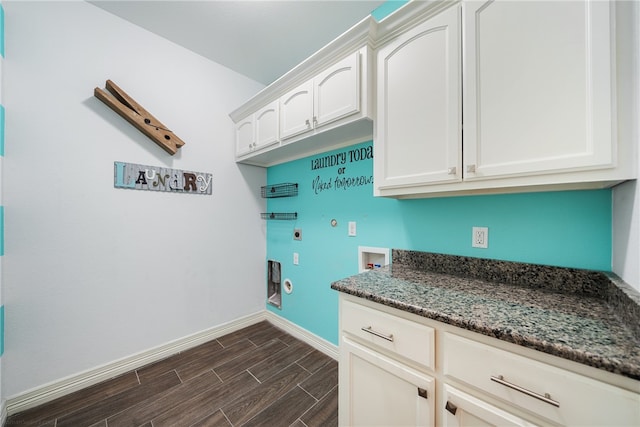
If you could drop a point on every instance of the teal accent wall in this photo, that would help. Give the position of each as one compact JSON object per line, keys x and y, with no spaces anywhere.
{"x":387,"y":8}
{"x":568,"y":228}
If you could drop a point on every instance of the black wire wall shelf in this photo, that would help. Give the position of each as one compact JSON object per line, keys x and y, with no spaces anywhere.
{"x":286,"y":189}
{"x":289,"y":216}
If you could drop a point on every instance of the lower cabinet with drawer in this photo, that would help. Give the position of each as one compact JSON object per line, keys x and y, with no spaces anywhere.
{"x":400,"y":369}
{"x":384,"y":369}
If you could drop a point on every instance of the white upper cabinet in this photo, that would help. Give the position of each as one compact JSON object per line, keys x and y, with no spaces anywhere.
{"x":336,"y":91}
{"x":418,"y":95}
{"x":324,"y":103}
{"x":258,"y":131}
{"x":245,"y":136}
{"x":537,"y":88}
{"x":501,"y":96}
{"x":331,"y":95}
{"x":297,"y":110}
{"x":266,"y":121}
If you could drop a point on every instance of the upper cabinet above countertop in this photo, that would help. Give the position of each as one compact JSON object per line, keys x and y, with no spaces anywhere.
{"x":464,"y":97}
{"x":501,"y":96}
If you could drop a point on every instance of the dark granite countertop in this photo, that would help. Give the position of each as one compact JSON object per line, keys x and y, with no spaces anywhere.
{"x":585,"y":316}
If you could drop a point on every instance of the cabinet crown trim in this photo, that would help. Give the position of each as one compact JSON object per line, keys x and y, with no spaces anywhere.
{"x":356,"y":37}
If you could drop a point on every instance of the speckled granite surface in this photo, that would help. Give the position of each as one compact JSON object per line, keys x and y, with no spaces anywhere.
{"x":585,"y":316}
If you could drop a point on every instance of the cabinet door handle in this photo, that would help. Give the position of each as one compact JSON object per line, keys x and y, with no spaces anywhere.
{"x":378,"y":334}
{"x":422,"y":393}
{"x":451,"y":408}
{"x":451,"y":171}
{"x":471,"y":168}
{"x":307,"y":122}
{"x":545,"y":398}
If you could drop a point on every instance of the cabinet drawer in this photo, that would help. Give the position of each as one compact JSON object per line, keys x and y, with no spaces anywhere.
{"x":571,"y":399}
{"x":403,"y":337}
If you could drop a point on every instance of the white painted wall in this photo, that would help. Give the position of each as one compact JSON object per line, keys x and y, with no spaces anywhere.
{"x":93,"y":274}
{"x":626,"y":197}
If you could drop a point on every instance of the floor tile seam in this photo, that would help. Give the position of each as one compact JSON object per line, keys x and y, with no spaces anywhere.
{"x":258,"y":345}
{"x":217,"y":376}
{"x":277,"y":401}
{"x":283,"y":393}
{"x":308,"y":351}
{"x":305,"y":355}
{"x":254,"y":377}
{"x":162,"y":395}
{"x":327,"y":393}
{"x":315,"y":404}
{"x":205,"y":416}
{"x":330,"y":390}
{"x":314,"y":398}
{"x":189,"y":398}
{"x":179,"y":377}
{"x":226,"y":417}
{"x":287,"y":366}
{"x":166,"y":394}
{"x":214,"y":365}
{"x":302,"y":367}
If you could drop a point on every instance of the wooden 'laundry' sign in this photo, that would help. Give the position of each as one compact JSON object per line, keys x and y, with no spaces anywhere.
{"x":154,"y":178}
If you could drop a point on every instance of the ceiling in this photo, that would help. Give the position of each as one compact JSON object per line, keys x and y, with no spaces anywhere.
{"x":261,"y":39}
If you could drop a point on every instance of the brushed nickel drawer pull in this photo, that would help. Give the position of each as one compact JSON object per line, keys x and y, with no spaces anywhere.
{"x":451,"y":408}
{"x":378,"y":334}
{"x":545,"y":398}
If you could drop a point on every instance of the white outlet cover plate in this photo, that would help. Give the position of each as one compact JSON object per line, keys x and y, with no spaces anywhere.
{"x":480,"y":237}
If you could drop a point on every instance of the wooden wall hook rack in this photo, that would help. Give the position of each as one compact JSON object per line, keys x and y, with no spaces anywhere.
{"x":141,"y":119}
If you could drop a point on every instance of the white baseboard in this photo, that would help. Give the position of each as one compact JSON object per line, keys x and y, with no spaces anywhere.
{"x":313,"y":340}
{"x":56,"y":389}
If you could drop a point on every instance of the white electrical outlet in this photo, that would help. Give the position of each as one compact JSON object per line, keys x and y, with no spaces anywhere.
{"x":296,"y":258}
{"x":352,"y":228}
{"x":480,"y":237}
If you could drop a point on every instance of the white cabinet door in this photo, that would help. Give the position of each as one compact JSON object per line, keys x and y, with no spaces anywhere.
{"x":418,"y":126}
{"x":245,"y":136}
{"x":537,"y":87}
{"x":331,"y":95}
{"x":463,"y":410}
{"x":379,"y":391}
{"x":337,"y":91}
{"x":296,"y":110}
{"x":266,"y":129}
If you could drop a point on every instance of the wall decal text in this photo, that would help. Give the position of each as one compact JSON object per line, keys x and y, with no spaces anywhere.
{"x":343,"y":180}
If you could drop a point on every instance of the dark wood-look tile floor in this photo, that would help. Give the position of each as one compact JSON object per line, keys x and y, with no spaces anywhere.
{"x":257,"y":376}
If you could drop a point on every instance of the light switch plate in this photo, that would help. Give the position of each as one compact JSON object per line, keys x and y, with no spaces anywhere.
{"x":352,"y":228}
